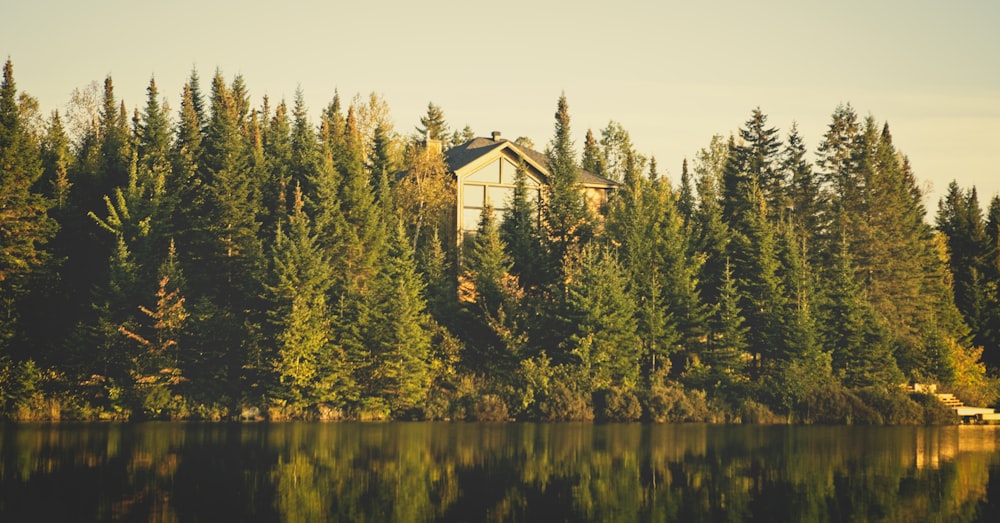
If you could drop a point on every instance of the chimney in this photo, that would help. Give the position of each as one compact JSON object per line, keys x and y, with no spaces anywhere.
{"x":496,"y":136}
{"x":433,"y":147}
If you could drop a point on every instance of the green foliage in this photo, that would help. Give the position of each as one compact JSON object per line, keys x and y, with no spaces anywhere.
{"x":314,"y":272}
{"x":617,"y":404}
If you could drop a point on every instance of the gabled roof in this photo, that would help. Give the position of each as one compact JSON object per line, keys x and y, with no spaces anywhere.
{"x":468,"y":153}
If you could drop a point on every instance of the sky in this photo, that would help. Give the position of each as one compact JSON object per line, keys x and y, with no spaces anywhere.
{"x":673,"y":74}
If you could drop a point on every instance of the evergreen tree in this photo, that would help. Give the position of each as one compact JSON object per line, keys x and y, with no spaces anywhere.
{"x":310,"y":369}
{"x":56,"y":159}
{"x":805,"y":196}
{"x":686,"y":201}
{"x":564,"y":210}
{"x":725,"y":357}
{"x":497,"y":296}
{"x":752,"y":162}
{"x":25,"y":226}
{"x":304,"y":146}
{"x":961,"y":220}
{"x":228,"y":246}
{"x":711,"y":232}
{"x":433,"y":125}
{"x":519,"y":231}
{"x":593,"y":160}
{"x":602,"y":316}
{"x":398,"y":331}
{"x":859,"y":343}
{"x":278,"y":154}
{"x":991,"y":276}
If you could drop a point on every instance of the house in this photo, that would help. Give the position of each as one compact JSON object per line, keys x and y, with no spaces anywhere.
{"x":484,"y":170}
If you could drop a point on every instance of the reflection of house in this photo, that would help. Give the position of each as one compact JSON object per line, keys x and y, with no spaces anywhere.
{"x":484,"y":170}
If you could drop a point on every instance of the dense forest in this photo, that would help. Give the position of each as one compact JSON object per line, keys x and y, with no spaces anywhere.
{"x":227,"y":261}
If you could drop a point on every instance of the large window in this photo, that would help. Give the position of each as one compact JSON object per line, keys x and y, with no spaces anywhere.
{"x":493,"y":184}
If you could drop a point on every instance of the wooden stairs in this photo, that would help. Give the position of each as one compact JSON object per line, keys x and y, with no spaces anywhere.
{"x":969,"y":414}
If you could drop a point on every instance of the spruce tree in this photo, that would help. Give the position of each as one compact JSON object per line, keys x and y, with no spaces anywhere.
{"x":593,"y":159}
{"x":433,"y":125}
{"x":857,"y":338}
{"x":25,"y":226}
{"x":752,"y":162}
{"x":602,"y":315}
{"x":519,"y":231}
{"x":398,"y":331}
{"x":310,"y":369}
{"x":564,"y":210}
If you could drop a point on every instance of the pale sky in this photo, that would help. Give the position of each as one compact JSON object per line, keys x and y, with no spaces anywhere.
{"x":671,"y":73}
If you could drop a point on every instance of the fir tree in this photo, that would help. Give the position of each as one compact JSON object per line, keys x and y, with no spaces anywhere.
{"x":433,"y":125}
{"x":593,"y":160}
{"x":310,"y":369}
{"x":519,"y":231}
{"x":25,"y":226}
{"x":603,"y":343}
{"x":564,"y":210}
{"x":398,"y":332}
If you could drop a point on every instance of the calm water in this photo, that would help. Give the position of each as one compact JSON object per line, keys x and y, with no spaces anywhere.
{"x":507,"y":472}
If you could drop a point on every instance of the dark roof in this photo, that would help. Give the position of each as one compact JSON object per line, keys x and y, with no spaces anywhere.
{"x":462,"y":155}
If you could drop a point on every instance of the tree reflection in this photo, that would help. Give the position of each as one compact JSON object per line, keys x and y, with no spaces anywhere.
{"x":501,"y":472}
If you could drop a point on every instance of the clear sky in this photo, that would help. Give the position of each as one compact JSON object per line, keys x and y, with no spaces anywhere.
{"x":672,"y":73}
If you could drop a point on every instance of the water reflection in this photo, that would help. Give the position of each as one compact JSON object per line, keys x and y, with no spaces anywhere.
{"x":502,"y":472}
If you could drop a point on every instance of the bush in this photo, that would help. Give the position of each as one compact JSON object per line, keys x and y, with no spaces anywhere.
{"x":373,"y":409}
{"x":489,"y":407}
{"x":935,"y":412}
{"x":671,"y":403}
{"x":615,"y":404}
{"x":565,"y":404}
{"x":894,"y":405}
{"x":753,"y":412}
{"x":836,"y":405}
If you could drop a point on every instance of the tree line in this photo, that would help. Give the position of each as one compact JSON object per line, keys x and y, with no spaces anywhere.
{"x":233,"y":260}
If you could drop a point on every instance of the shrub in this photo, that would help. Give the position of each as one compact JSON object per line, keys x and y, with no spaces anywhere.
{"x":615,"y":404}
{"x":373,"y":409}
{"x":833,"y":404}
{"x":489,"y":407}
{"x":935,"y":412}
{"x":565,"y":404}
{"x":753,"y":412}
{"x":671,"y":403}
{"x":894,"y":405}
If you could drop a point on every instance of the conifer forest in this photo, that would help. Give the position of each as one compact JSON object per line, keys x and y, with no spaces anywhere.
{"x":234,"y":258}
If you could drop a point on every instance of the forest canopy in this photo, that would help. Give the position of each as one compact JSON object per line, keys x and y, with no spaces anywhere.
{"x":236,"y":259}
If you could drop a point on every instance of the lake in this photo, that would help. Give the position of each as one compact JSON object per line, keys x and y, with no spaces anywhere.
{"x":496,"y":472}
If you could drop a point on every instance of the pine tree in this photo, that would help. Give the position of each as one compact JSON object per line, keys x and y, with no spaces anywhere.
{"x":711,"y":232}
{"x":593,"y":160}
{"x":519,"y":231}
{"x":56,"y":157}
{"x":310,"y":369}
{"x":25,"y":226}
{"x":497,"y":303}
{"x":961,"y":220}
{"x":601,"y":311}
{"x":725,"y":353}
{"x":564,"y":210}
{"x":991,"y":277}
{"x":753,"y":162}
{"x":398,"y":331}
{"x":686,"y":201}
{"x":433,"y":125}
{"x":304,"y":146}
{"x":859,"y":342}
{"x":805,"y":196}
